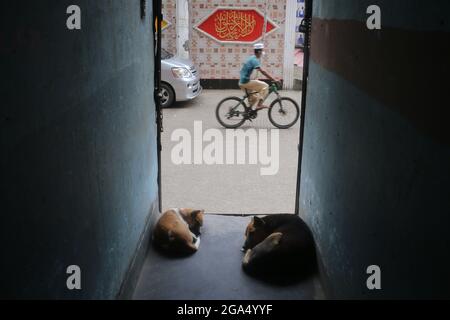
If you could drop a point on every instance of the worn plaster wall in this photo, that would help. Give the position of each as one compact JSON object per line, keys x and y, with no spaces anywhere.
{"x":375,"y":174}
{"x":78,"y":140}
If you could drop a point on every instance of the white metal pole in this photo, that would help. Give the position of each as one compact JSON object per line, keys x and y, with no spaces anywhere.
{"x":264,"y":30}
{"x":289,"y":44}
{"x":182,"y":19}
{"x":265,"y":22}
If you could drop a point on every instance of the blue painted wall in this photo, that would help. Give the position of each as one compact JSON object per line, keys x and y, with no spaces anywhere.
{"x":78,"y":137}
{"x":375,"y":173}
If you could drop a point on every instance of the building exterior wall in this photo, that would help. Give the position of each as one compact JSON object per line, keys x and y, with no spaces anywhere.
{"x":224,"y":61}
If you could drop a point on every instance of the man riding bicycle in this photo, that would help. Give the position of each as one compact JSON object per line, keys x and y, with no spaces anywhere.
{"x":258,"y":89}
{"x":233,"y":112}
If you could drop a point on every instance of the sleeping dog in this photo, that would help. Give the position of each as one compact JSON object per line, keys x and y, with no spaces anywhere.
{"x":278,"y":245}
{"x":178,"y":231}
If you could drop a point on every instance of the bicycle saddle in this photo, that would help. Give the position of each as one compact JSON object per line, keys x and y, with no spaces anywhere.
{"x":249,"y":93}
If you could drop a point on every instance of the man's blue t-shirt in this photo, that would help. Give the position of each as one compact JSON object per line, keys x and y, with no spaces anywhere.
{"x":250,"y":64}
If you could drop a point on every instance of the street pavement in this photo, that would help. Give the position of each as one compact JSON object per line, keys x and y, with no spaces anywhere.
{"x":228,"y":188}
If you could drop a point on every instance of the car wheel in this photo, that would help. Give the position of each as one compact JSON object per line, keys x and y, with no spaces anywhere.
{"x":167,"y":96}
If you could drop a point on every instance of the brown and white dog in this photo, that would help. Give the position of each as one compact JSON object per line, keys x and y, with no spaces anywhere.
{"x":178,"y":230}
{"x":278,"y":245}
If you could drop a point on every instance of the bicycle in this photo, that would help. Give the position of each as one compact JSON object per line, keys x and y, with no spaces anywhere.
{"x":232,"y":112}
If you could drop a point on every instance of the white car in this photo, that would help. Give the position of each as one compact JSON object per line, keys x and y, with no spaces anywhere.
{"x":180,"y":80}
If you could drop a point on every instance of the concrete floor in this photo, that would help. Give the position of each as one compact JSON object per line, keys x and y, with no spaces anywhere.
{"x":227,"y":188}
{"x":214,"y":272}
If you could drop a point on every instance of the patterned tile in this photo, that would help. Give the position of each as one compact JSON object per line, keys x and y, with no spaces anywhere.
{"x":223,"y":61}
{"x":169,"y":35}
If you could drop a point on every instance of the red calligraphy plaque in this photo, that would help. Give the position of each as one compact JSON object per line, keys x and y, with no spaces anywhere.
{"x":235,"y":25}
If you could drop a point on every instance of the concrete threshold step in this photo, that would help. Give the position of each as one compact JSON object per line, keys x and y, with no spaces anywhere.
{"x":214,"y":272}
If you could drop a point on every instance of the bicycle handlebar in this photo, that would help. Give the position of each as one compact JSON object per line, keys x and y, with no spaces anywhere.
{"x":275,"y":84}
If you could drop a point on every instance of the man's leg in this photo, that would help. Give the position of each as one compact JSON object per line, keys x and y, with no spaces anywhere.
{"x":252,"y":98}
{"x":263,"y":90}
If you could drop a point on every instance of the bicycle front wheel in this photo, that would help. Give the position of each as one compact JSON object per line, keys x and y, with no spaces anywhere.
{"x":284,"y":113}
{"x":230,"y":112}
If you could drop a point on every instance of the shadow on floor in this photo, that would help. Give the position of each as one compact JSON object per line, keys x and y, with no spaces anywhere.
{"x":215,"y":272}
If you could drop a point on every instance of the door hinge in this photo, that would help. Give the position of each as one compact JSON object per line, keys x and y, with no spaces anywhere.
{"x":159,"y":114}
{"x":161,"y":118}
{"x":306,"y":27}
{"x":143,"y":8}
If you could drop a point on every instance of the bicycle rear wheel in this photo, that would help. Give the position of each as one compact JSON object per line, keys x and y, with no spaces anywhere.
{"x":284,"y":113}
{"x":230,"y":112}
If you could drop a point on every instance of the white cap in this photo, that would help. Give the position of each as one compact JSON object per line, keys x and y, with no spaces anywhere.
{"x":258,"y":46}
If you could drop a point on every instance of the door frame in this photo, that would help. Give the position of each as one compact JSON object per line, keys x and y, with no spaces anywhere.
{"x":157,"y":19}
{"x":306,"y":55}
{"x":156,"y":25}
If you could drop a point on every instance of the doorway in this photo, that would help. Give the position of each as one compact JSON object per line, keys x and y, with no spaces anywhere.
{"x":222,"y":235}
{"x":196,"y":167}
